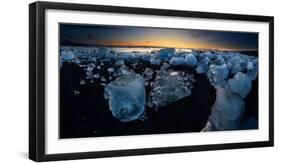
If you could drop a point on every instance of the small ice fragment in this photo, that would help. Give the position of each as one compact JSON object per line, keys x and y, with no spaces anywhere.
{"x":97,"y":75}
{"x":82,"y":82}
{"x":173,"y":73}
{"x":148,"y":71}
{"x":103,"y":79}
{"x":111,"y":69}
{"x":119,"y":62}
{"x":76,"y":92}
{"x":165,"y":65}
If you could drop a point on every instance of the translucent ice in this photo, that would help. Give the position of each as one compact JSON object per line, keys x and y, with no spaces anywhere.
{"x":148,"y":71}
{"x":226,"y":112}
{"x":155,"y":61}
{"x":217,"y":74}
{"x":170,"y":86}
{"x":167,"y":53}
{"x":111,"y":69}
{"x":177,"y":61}
{"x":252,"y":69}
{"x":190,"y":60}
{"x":240,"y":84}
{"x":119,"y":62}
{"x":203,"y":64}
{"x":126,"y":97}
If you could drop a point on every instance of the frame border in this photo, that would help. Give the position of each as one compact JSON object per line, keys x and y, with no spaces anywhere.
{"x":37,"y":80}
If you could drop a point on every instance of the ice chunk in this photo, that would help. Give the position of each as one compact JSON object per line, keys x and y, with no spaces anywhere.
{"x":166,"y":53}
{"x":170,"y":86}
{"x":165,"y":65}
{"x":250,"y":66}
{"x":97,"y":75}
{"x":121,"y":70}
{"x":252,"y":69}
{"x":190,"y":60}
{"x":203,"y":64}
{"x":155,"y":61}
{"x":111,"y":69}
{"x":240,"y":84}
{"x":238,"y":63}
{"x":76,"y":92}
{"x":103,"y":52}
{"x":67,"y":55}
{"x":217,"y":74}
{"x":126,"y":97}
{"x":89,"y":72}
{"x":201,"y":68}
{"x":82,"y":82}
{"x":148,"y":71}
{"x":226,"y":112}
{"x":177,"y":61}
{"x":220,"y":60}
{"x":103,"y":79}
{"x":119,"y":62}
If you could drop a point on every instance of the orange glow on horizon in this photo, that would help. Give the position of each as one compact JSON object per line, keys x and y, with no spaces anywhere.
{"x":165,"y":43}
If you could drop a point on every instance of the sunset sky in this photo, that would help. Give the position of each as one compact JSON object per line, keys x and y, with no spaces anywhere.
{"x":92,"y":35}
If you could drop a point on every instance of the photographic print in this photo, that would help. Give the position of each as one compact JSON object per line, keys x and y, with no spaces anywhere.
{"x":131,"y":80}
{"x":155,"y":81}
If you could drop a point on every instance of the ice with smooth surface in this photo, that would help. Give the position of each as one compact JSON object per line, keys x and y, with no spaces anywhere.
{"x":240,"y":84}
{"x":190,"y":60}
{"x":187,"y":60}
{"x":166,"y":53}
{"x":126,"y":97}
{"x":202,"y":65}
{"x":226,"y":111}
{"x":218,"y":74}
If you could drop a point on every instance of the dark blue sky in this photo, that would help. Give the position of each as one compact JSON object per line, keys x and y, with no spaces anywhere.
{"x":156,"y":37}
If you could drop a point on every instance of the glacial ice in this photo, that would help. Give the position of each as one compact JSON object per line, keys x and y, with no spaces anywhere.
{"x":231,"y":74}
{"x":148,"y":71}
{"x":111,"y":69}
{"x":166,"y":53}
{"x":188,"y":60}
{"x":177,"y":61}
{"x":170,"y":86}
{"x":119,"y":62}
{"x":226,"y":111}
{"x":218,"y":74}
{"x":240,"y":84}
{"x":126,"y":97}
{"x":155,"y":61}
{"x":203,"y":64}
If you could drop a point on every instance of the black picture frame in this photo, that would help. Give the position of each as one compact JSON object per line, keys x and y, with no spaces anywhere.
{"x":37,"y":79}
